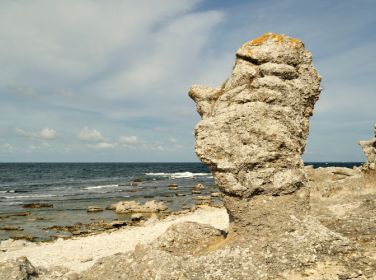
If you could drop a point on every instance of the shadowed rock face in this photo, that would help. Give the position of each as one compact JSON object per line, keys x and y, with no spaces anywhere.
{"x":369,"y":150}
{"x":255,"y":126}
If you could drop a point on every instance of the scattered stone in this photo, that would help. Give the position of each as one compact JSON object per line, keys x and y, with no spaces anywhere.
{"x":196,"y":192}
{"x":180,"y":194}
{"x":38,"y":205}
{"x":138,"y":180}
{"x":94,"y":209}
{"x":132,"y":206}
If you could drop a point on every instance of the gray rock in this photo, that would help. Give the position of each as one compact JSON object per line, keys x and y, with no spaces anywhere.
{"x":255,"y":126}
{"x":369,"y":150}
{"x":188,"y":238}
{"x":151,"y":206}
{"x":19,"y":269}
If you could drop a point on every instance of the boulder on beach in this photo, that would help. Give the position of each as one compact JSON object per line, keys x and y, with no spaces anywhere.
{"x":19,"y":269}
{"x":188,"y":238}
{"x":132,"y":206}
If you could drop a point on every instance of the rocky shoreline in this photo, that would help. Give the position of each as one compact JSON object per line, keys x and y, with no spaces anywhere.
{"x":280,"y":220}
{"x":119,"y":214}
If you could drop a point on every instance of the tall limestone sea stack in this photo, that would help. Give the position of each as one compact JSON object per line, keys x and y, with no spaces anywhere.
{"x":254,"y":130}
{"x":369,"y":150}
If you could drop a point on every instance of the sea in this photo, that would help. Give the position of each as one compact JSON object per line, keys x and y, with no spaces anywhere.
{"x":72,"y":187}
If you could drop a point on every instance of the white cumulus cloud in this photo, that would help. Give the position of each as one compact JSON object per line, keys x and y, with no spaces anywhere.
{"x":45,"y":134}
{"x":87,"y":134}
{"x":105,"y":145}
{"x":130,"y":140}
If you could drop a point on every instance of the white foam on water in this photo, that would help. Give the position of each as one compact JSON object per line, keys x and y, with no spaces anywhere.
{"x":100,"y":187}
{"x":29,"y":196}
{"x":177,"y":175}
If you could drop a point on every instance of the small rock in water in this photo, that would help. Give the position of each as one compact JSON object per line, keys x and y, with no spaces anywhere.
{"x":38,"y":205}
{"x":198,"y":187}
{"x":173,"y":186}
{"x":94,"y":209}
{"x":151,"y":206}
{"x":196,"y":192}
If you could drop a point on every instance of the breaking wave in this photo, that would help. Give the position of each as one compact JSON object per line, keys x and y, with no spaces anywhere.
{"x":178,"y":175}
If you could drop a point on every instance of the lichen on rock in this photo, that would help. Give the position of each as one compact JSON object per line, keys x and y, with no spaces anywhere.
{"x":255,"y":126}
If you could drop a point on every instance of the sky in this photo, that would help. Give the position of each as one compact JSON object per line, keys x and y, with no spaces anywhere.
{"x":97,"y":81}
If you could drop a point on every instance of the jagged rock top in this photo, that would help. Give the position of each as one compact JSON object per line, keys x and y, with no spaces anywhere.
{"x":274,"y":48}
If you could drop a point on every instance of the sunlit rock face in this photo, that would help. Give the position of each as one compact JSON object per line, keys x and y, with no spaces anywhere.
{"x":369,"y":150}
{"x":255,"y":126}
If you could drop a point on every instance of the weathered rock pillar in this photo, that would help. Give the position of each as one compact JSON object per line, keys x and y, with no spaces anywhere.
{"x":369,"y":150}
{"x":369,"y":167}
{"x":254,"y":130}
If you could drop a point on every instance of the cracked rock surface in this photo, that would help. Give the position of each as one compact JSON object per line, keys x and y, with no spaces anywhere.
{"x":369,"y":150}
{"x":255,"y":126}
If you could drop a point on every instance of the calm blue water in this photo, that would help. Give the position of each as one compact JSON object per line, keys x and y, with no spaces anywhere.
{"x":72,"y":187}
